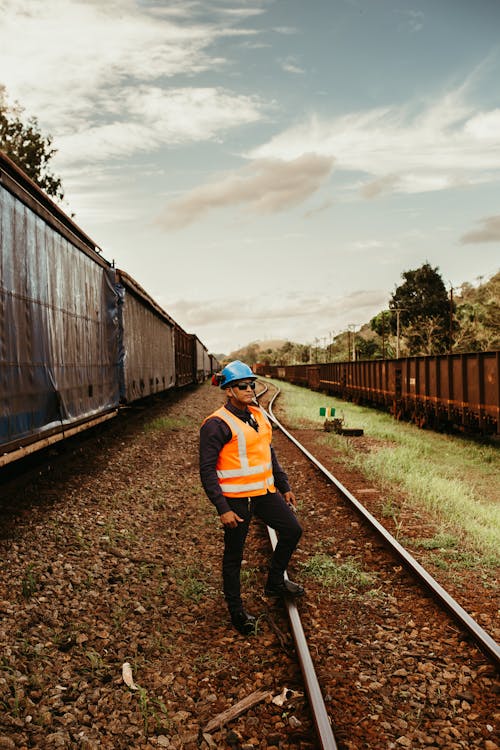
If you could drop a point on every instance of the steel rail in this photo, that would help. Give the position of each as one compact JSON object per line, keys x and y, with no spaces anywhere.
{"x":480,"y":636}
{"x":317,"y":704}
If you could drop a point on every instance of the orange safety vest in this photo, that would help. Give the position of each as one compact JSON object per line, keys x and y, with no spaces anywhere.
{"x":244,"y":466}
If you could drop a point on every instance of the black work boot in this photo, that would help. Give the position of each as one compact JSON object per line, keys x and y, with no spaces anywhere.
{"x":243,"y":622}
{"x":283,"y":588}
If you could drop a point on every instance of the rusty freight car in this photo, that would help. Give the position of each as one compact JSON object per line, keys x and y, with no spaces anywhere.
{"x":449,"y":390}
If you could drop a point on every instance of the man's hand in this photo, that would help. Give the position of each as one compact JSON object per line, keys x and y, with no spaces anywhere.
{"x":290,"y":499}
{"x":230,"y":519}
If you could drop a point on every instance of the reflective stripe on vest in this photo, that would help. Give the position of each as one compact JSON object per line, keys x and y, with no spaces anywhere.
{"x":252,"y":476}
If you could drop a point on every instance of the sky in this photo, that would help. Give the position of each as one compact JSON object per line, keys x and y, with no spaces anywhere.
{"x":268,"y":169}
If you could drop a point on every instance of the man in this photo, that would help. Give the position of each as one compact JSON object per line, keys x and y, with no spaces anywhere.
{"x":242,"y":476}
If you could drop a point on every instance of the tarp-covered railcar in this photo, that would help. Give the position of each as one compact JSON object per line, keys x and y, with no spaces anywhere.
{"x":201,"y":359}
{"x":58,"y":321}
{"x":214,"y":364}
{"x":207,"y":364}
{"x":147,"y":342}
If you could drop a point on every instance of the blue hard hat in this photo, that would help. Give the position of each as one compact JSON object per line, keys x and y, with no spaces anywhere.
{"x":234,"y":371}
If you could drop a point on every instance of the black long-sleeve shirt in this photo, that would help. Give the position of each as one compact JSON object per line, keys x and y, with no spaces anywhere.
{"x":214,"y":434}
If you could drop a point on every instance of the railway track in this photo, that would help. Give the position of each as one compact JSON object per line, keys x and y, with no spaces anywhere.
{"x":470,"y":627}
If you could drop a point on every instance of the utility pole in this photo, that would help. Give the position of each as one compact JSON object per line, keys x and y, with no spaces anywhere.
{"x":352,"y":327}
{"x":451,"y":319}
{"x":397,"y":332}
{"x":383,"y":334}
{"x":398,"y":311}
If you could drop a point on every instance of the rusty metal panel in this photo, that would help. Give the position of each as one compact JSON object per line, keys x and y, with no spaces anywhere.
{"x":58,"y":326}
{"x":471,"y":364}
{"x":147,"y":347}
{"x":184,"y":344}
{"x":491,"y":386}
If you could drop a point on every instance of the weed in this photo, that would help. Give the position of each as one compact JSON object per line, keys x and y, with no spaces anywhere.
{"x":190,"y":587}
{"x":439,"y":562}
{"x":208,"y":662}
{"x":145,"y":570}
{"x":248,"y":574}
{"x":152,"y":708}
{"x":167,"y":423}
{"x":97,"y":667}
{"x":330,"y":573}
{"x":81,"y":540}
{"x":29,"y":583}
{"x":440,"y":541}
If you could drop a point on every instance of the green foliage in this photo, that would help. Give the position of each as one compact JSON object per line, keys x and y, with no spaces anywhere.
{"x":24,"y":143}
{"x":29,"y":583}
{"x":334,"y":574}
{"x":453,"y":480}
{"x":167,"y":423}
{"x":425,"y":311}
{"x":153,"y":710}
{"x":191,"y":585}
{"x":478,"y":317}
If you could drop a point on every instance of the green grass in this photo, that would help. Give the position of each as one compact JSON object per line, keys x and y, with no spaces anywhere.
{"x":453,"y":479}
{"x":334,"y":574}
{"x":29,"y":583}
{"x":164,"y":424}
{"x":190,"y":585}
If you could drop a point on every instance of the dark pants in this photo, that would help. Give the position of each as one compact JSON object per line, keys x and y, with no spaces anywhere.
{"x":275,"y":512}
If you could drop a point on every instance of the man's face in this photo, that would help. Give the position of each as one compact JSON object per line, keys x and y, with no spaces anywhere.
{"x":242,"y":391}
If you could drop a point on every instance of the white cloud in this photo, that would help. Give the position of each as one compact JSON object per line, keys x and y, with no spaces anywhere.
{"x":290,"y":65}
{"x":94,"y":73}
{"x":229,"y":322}
{"x":445,"y":145}
{"x":484,"y":126}
{"x":414,"y":19}
{"x":150,"y":117}
{"x":490,"y":232}
{"x":265,"y":186}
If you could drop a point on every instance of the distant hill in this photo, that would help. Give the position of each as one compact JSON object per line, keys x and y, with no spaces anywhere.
{"x":252,"y":353}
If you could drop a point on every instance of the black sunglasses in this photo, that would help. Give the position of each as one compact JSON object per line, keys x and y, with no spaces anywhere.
{"x":244,"y":386}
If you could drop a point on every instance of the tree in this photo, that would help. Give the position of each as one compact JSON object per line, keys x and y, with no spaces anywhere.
{"x":478,"y":315}
{"x":381,"y":324}
{"x":425,"y":312}
{"x":27,"y":147}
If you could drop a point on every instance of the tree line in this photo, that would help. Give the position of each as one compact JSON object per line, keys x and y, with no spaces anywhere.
{"x":422,"y":318}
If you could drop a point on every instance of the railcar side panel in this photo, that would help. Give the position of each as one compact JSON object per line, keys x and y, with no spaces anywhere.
{"x":491,"y":388}
{"x":207,"y":368}
{"x":58,"y":322}
{"x":199,"y":354}
{"x":147,"y":349}
{"x":184,"y":358}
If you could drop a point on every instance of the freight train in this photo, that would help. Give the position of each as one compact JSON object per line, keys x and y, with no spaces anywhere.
{"x":440,"y":392}
{"x":78,"y":337}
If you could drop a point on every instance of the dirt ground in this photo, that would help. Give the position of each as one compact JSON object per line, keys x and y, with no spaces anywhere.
{"x":111,"y":556}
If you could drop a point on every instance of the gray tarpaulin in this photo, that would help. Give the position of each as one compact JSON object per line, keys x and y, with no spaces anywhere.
{"x":58,"y":328}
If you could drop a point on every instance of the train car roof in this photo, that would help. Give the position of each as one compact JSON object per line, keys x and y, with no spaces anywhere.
{"x":137,"y":289}
{"x":28,"y":192}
